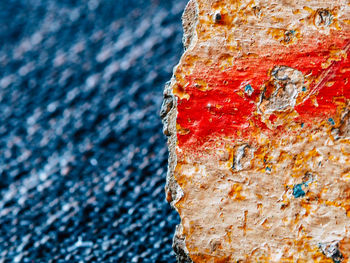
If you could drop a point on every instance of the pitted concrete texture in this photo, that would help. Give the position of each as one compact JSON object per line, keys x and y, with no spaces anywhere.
{"x":258,"y":132}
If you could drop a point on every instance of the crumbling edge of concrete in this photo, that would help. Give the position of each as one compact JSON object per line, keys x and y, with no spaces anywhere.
{"x":168,"y":114}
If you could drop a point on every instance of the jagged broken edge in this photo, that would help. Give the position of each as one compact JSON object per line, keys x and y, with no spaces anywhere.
{"x":168,"y":114}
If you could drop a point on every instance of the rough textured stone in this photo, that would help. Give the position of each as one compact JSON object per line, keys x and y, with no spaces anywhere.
{"x":258,"y":126}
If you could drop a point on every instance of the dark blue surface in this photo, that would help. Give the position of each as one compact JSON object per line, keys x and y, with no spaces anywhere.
{"x":82,"y":157}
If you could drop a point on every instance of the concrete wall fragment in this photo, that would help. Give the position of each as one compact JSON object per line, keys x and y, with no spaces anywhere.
{"x":257,"y":115}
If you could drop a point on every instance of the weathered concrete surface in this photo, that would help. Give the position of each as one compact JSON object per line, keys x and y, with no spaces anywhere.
{"x":259,"y":137}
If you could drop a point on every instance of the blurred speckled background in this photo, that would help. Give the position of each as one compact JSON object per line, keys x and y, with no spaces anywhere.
{"x":82,"y":157}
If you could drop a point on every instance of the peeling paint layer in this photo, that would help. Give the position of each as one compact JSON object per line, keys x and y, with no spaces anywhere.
{"x":257,"y":115}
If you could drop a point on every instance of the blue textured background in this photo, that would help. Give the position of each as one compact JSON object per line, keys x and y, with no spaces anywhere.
{"x":82,"y":157}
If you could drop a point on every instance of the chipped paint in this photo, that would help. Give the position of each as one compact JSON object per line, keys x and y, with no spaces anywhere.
{"x":262,"y":127}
